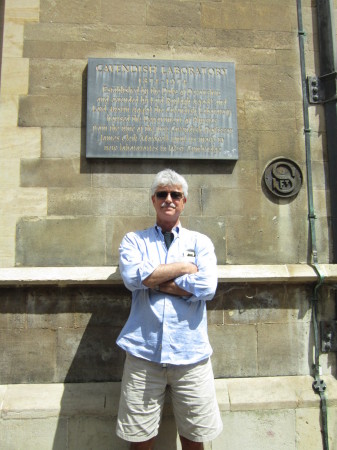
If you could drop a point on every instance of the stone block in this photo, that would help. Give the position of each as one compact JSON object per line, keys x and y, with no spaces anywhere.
{"x":280,"y":83}
{"x":270,"y":115}
{"x":18,"y":201}
{"x":116,"y":230}
{"x":10,"y":172}
{"x":16,"y":143}
{"x":309,"y":428}
{"x":268,"y":240}
{"x":265,"y":304}
{"x":77,"y":11}
{"x":256,"y":430}
{"x":65,"y":143}
{"x":49,"y":308}
{"x":57,"y":76}
{"x":13,"y":308}
{"x":28,"y":356}
{"x":49,"y":433}
{"x":69,"y":50}
{"x":19,"y":11}
{"x":173,"y":14}
{"x":262,"y":394}
{"x":240,"y":202}
{"x":229,"y":15}
{"x":55,"y":173}
{"x":97,"y":201}
{"x":32,"y":401}
{"x":214,"y":228}
{"x":284,"y":349}
{"x":89,"y":354}
{"x":61,"y":242}
{"x":94,"y":432}
{"x":52,"y":111}
{"x":12,"y":40}
{"x":7,"y":240}
{"x":8,"y":110}
{"x":234,"y":350}
{"x":14,"y":76}
{"x":277,"y":40}
{"x":266,"y":16}
{"x":117,"y":12}
{"x":101,"y":306}
{"x":273,"y":144}
{"x":194,"y":37}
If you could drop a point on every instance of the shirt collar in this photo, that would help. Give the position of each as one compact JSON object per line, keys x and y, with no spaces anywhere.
{"x":175,"y":230}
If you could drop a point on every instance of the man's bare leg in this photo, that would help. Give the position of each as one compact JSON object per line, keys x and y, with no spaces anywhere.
{"x":191,"y":445}
{"x":146,"y":445}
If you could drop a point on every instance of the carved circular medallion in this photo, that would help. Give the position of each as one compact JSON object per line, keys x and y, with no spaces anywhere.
{"x":283,"y":177}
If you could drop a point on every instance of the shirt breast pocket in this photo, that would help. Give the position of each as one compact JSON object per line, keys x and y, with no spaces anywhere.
{"x":189,"y":256}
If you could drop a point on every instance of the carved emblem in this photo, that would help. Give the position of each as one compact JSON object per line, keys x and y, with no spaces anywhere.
{"x":283,"y":177}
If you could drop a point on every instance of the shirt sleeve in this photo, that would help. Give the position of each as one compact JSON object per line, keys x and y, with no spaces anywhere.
{"x":133,"y":267}
{"x":202,"y":284}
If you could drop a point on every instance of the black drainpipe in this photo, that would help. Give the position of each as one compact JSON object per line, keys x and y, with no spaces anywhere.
{"x":328,"y":64}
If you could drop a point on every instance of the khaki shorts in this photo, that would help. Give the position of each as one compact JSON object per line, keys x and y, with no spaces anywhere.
{"x":193,"y":397}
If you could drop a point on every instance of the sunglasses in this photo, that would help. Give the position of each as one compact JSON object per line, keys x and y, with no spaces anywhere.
{"x":175,"y":195}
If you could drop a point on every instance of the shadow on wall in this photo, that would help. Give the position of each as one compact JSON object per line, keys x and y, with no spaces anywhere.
{"x":50,"y":334}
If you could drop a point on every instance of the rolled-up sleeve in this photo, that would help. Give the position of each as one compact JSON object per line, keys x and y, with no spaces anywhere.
{"x":202,"y":284}
{"x":133,"y":267}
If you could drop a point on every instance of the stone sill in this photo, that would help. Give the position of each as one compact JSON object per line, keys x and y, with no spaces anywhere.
{"x":28,"y":401}
{"x":63,"y":276}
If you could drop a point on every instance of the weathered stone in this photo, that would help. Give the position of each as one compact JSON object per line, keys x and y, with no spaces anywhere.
{"x":214,"y":228}
{"x":61,"y":242}
{"x":16,"y":143}
{"x":12,"y":40}
{"x":234,"y":350}
{"x":120,"y":13}
{"x":56,"y":77}
{"x":51,"y":111}
{"x":55,"y":173}
{"x":18,"y":201}
{"x":50,"y":433}
{"x":14,"y":76}
{"x":76,"y":11}
{"x":65,"y":143}
{"x":97,"y":201}
{"x":69,"y":50}
{"x":89,"y":354}
{"x":27,"y":355}
{"x":260,"y":430}
{"x":94,"y":432}
{"x":174,"y":13}
{"x":13,"y":309}
{"x":283,"y":349}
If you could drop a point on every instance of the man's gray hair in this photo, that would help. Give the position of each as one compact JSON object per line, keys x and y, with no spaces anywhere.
{"x":168,"y":177}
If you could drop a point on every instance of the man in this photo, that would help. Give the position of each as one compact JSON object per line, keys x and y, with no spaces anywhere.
{"x":171,"y":272}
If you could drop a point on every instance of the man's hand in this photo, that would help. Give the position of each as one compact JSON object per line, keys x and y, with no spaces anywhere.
{"x":169,"y":272}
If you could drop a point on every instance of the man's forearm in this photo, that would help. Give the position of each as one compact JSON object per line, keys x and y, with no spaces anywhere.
{"x":167,"y":272}
{"x":169,"y":287}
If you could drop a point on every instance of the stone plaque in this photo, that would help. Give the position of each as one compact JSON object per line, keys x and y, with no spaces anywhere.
{"x":161,"y":109}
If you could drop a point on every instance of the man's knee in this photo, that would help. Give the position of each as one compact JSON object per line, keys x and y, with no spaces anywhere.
{"x":190,"y":445}
{"x":145,"y":445}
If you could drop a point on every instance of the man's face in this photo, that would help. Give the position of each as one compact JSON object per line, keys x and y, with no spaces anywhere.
{"x":169,"y":202}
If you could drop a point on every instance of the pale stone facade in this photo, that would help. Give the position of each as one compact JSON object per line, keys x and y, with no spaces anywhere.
{"x":62,"y":217}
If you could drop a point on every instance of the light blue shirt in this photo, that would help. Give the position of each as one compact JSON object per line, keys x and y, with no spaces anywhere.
{"x":161,"y":327}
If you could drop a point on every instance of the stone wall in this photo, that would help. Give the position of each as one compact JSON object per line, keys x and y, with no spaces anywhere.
{"x":67,"y":334}
{"x":57,"y":208}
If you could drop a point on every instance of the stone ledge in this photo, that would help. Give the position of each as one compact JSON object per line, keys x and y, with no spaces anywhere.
{"x":28,"y":401}
{"x":289,"y":273}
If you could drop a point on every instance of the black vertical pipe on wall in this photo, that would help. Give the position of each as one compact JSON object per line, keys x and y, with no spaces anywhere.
{"x":328,"y":64}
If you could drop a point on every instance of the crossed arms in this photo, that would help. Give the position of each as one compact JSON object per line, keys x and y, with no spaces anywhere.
{"x":162,"y":278}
